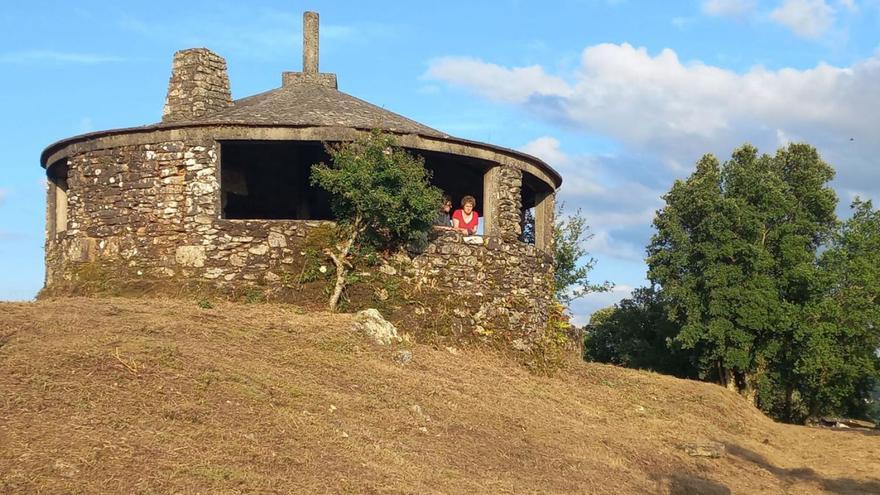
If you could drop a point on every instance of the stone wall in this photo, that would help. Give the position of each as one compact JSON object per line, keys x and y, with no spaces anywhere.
{"x":199,"y":85}
{"x":150,"y":214}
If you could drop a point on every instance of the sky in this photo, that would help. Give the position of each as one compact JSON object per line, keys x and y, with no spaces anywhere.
{"x":622,"y":97}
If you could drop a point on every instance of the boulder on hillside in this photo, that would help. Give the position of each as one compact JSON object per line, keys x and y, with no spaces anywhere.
{"x":371,"y":323}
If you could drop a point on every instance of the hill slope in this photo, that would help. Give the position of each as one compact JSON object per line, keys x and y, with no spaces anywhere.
{"x":147,"y":396}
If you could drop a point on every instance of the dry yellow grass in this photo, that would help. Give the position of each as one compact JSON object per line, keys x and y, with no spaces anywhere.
{"x":154,"y":396}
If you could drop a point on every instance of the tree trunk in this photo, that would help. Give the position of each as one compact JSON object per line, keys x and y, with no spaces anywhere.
{"x":340,"y":260}
{"x":728,"y":379}
{"x":750,"y":388}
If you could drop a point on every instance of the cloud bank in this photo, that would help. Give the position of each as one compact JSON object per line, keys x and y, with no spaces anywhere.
{"x":675,"y":111}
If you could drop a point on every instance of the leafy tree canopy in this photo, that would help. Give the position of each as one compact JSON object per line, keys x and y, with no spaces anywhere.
{"x":767,"y":291}
{"x":380,"y":195}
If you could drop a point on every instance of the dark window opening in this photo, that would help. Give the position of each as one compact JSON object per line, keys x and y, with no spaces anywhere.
{"x":458,"y":177}
{"x":57,"y":174}
{"x":271,"y":180}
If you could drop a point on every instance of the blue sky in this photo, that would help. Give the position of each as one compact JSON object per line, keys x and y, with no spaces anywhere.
{"x":621,"y":96}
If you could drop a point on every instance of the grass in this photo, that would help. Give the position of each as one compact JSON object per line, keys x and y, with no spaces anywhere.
{"x":160,"y":396}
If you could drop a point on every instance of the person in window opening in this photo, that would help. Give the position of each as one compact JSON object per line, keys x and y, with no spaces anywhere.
{"x":465,"y":219}
{"x":443,"y":221}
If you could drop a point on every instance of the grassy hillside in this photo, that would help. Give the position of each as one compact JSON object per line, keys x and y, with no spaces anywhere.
{"x":146,"y":396}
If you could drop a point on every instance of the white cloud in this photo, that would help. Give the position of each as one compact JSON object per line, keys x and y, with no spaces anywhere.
{"x":52,"y":56}
{"x":728,"y":8}
{"x":673,"y":112}
{"x":518,"y":84}
{"x":807,"y":18}
{"x":547,"y":148}
{"x":618,"y":209}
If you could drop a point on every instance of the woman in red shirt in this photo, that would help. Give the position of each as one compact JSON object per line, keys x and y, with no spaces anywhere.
{"x":465,"y":219}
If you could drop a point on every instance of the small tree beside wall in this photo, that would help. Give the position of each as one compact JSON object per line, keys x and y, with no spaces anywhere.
{"x":380,"y":195}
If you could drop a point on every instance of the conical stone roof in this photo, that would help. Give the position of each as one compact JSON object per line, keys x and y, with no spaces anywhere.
{"x":314,"y":105}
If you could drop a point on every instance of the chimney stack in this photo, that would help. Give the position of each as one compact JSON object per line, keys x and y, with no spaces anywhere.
{"x":310,"y":74}
{"x":310,"y":43}
{"x":199,"y":86}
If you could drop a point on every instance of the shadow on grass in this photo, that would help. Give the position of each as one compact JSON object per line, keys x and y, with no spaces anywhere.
{"x":841,"y":486}
{"x":689,"y":484}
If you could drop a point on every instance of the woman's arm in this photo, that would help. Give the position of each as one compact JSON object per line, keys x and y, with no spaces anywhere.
{"x":476,"y":224}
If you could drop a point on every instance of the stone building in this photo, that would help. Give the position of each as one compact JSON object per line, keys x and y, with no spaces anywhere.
{"x":217,"y":196}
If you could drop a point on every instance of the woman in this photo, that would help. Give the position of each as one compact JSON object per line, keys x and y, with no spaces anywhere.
{"x":465,"y":219}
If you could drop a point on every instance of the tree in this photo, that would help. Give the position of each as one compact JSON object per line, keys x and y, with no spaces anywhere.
{"x":380,"y":194}
{"x":636,"y":333}
{"x":838,"y":365}
{"x":735,"y":254}
{"x":572,"y":262}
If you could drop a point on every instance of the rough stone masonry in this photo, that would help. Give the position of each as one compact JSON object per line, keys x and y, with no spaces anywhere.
{"x":141,"y":210}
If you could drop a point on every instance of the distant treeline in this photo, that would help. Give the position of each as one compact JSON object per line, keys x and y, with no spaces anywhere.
{"x":758,"y":285}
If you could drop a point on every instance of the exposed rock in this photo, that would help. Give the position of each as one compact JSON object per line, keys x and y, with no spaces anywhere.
{"x":846,"y":423}
{"x":520,"y":345}
{"x":65,"y":469}
{"x":371,"y":322}
{"x":404,"y":356}
{"x":712,"y":450}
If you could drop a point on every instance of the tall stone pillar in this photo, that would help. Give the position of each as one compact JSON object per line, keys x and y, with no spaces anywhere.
{"x":489,"y":208}
{"x":545,"y":219}
{"x":310,"y":43}
{"x":506,"y":200}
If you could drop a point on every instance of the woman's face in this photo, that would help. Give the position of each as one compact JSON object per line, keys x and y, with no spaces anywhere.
{"x":447,"y":206}
{"x":468,"y":208}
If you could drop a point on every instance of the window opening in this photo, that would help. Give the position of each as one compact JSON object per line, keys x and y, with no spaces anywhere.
{"x":458,"y":177}
{"x":271,"y":180}
{"x":57,"y":175}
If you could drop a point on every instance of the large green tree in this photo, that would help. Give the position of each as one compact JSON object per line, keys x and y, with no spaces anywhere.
{"x":735,"y":254}
{"x":837,"y":365}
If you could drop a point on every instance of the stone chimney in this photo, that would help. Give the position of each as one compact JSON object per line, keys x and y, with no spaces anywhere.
{"x":199,"y":86}
{"x":310,"y":73}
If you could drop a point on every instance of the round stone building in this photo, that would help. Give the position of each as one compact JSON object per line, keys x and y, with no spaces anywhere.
{"x":216,"y":198}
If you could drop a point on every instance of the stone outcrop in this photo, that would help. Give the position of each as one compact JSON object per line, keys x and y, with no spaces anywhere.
{"x":370,"y":323}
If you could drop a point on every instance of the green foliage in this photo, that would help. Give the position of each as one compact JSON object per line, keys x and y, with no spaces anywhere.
{"x":381,"y":196}
{"x":766,"y":291}
{"x":636,"y":333}
{"x":572,"y":262}
{"x":837,"y":364}
{"x":548,"y":353}
{"x":254,"y":295}
{"x":383,"y":187}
